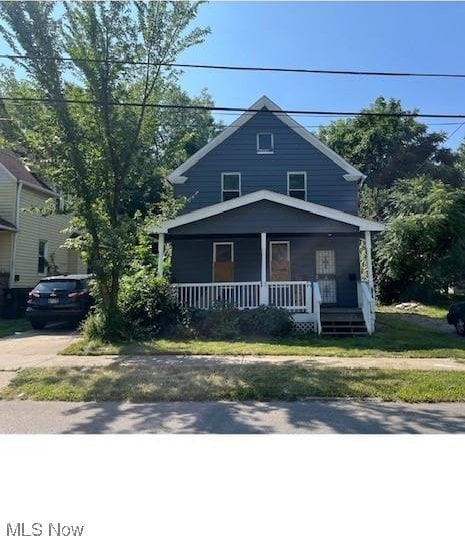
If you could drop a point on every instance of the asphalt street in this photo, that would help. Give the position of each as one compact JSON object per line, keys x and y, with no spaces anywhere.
{"x":313,"y":416}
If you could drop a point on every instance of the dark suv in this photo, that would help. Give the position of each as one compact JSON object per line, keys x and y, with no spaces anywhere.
{"x":456,"y":316}
{"x":59,"y":298}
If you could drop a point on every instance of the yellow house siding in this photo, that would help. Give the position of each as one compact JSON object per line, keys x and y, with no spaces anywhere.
{"x":5,"y":251}
{"x":32,"y":229}
{"x":7,"y":197}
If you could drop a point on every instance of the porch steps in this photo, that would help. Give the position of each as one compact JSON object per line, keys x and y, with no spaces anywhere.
{"x":343,"y":322}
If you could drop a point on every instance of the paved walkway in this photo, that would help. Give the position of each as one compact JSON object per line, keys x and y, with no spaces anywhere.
{"x":315,"y":416}
{"x":40,"y":349}
{"x":398,"y":363}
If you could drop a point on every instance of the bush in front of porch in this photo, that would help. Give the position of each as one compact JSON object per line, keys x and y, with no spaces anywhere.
{"x":150,"y":309}
{"x":229,"y":323}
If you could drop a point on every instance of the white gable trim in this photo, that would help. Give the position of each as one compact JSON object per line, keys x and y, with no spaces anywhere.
{"x":266,"y":195}
{"x":352,"y":174}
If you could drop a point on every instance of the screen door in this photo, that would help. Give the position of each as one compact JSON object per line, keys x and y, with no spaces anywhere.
{"x":326,"y":275}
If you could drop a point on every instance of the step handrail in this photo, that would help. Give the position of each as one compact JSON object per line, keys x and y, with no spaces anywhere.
{"x":317,"y":305}
{"x":367,"y":304}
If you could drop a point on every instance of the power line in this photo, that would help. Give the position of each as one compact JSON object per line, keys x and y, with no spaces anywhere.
{"x":423,"y":163}
{"x":301,"y":70}
{"x":233,"y":108}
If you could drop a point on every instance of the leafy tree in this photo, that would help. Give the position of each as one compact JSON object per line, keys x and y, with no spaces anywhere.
{"x":423,"y":248}
{"x":390,"y":148}
{"x":96,"y":152}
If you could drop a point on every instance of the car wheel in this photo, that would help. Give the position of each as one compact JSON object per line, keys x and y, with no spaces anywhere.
{"x":37,"y":324}
{"x":460,"y":326}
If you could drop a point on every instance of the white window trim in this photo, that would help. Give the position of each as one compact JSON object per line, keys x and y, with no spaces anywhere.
{"x":262,"y":151}
{"x":223,"y":244}
{"x":214,"y":255}
{"x":222,"y":183}
{"x":304,"y":173}
{"x":45,"y":256}
{"x":288,"y":243}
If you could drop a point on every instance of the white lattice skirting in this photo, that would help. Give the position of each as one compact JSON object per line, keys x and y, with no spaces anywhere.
{"x":304,"y":323}
{"x":303,"y":328}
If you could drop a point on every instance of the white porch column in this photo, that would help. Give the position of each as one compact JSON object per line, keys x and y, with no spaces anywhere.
{"x":161,"y":253}
{"x":369,"y":261}
{"x":263,"y":286}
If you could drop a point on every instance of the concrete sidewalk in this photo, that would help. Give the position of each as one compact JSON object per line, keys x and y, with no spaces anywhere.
{"x":313,"y":416}
{"x":41,"y":349}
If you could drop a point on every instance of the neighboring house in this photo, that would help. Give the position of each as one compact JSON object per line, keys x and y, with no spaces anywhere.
{"x":272,"y":220}
{"x":30,"y":244}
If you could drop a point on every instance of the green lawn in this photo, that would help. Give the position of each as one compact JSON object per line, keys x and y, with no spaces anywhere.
{"x":395,"y":337}
{"x":233,"y":382}
{"x":9,"y":327}
{"x":430,"y":311}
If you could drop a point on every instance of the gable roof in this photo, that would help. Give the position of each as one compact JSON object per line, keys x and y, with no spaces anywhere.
{"x":6,"y":226}
{"x":352,"y":174}
{"x":267,"y":195}
{"x":21,"y":173}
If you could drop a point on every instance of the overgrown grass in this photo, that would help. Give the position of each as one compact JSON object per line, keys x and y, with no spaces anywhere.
{"x":233,"y":382}
{"x":9,"y":327}
{"x":395,"y":337}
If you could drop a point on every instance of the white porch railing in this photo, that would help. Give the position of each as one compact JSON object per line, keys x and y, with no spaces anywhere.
{"x":366,"y":302}
{"x":291,"y":295}
{"x":296,"y":296}
{"x":207,"y":295}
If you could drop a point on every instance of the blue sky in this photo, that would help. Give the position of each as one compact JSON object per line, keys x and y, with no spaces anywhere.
{"x":397,"y":36}
{"x":409,"y":36}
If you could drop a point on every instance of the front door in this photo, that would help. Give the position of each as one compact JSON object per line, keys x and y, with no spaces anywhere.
{"x":326,"y":275}
{"x":223,"y":262}
{"x":280,"y":269}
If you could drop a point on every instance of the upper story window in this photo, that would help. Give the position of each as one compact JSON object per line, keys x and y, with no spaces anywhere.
{"x":230,"y":186}
{"x":297,"y":184}
{"x":265,"y":143}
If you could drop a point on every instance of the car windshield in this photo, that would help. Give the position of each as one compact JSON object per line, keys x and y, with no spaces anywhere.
{"x":60,"y":285}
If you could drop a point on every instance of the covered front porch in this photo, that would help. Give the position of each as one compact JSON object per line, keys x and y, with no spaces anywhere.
{"x":303,"y":258}
{"x":308,"y":275}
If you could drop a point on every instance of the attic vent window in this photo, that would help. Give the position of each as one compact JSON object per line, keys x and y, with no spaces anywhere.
{"x":265,"y":143}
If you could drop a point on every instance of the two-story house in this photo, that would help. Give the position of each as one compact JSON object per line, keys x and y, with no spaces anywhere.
{"x":272,"y":220}
{"x":31,"y":245}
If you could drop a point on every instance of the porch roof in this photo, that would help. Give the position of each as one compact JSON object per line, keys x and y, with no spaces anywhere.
{"x":266,"y":195}
{"x":7,"y":226}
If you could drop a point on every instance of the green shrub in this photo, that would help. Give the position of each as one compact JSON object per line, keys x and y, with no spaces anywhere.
{"x":149,"y":307}
{"x":219,"y":323}
{"x":228,"y":323}
{"x":266,"y":321}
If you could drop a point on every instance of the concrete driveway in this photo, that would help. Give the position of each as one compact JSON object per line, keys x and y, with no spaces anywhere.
{"x":31,"y":348}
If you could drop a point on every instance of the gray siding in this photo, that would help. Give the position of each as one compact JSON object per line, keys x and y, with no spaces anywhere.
{"x":193,"y":261}
{"x":264,"y":216}
{"x":325,"y":182}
